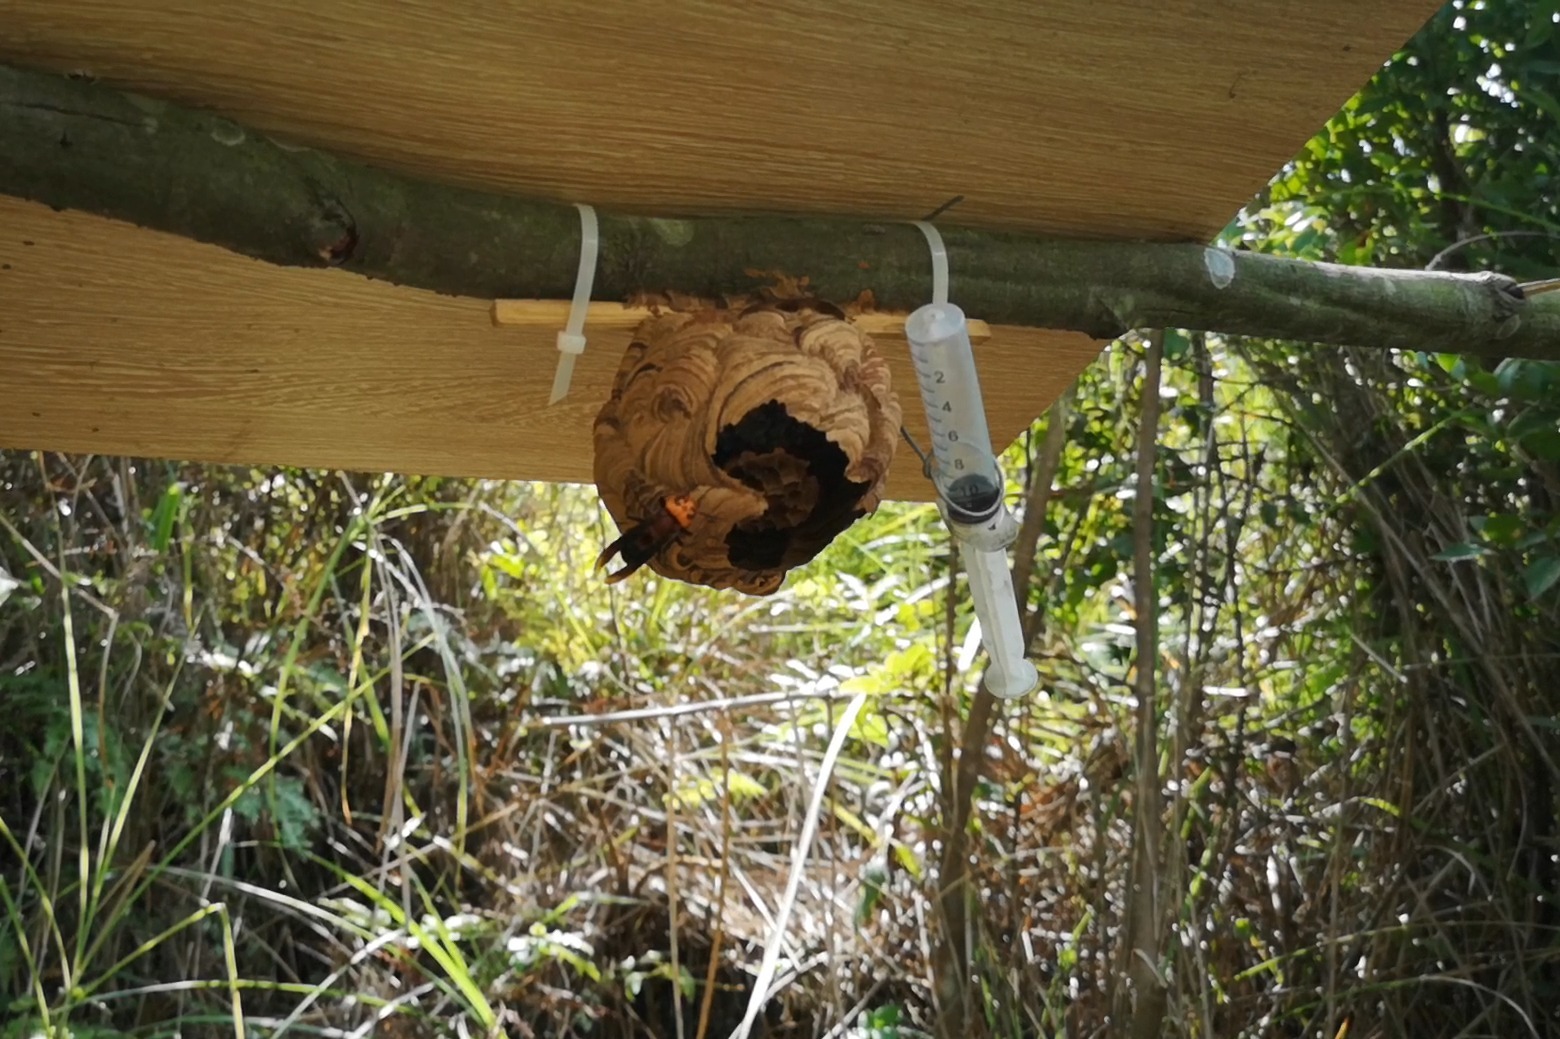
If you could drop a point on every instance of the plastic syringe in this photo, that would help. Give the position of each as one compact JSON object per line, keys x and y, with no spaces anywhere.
{"x":969,"y":485}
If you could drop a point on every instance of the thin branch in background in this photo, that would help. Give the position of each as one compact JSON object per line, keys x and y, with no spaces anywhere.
{"x":1146,"y":995}
{"x":1203,"y":610}
{"x":1233,"y":802}
{"x":1493,"y":236}
{"x":949,"y":955}
{"x":74,"y":587}
{"x":953,"y":873}
{"x":1042,"y":477}
{"x":799,"y":855}
{"x":717,"y":931}
{"x":677,"y":710}
{"x":671,"y":881}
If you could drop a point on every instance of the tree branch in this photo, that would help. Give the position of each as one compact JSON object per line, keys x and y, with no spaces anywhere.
{"x":74,"y":144}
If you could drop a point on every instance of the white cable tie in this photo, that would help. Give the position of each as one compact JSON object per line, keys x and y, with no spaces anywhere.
{"x":571,"y":341}
{"x":939,"y":260}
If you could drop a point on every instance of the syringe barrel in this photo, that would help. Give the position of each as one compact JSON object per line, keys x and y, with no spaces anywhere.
{"x":967,"y":475}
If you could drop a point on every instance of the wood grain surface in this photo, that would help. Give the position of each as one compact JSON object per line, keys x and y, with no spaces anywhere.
{"x":1101,"y":118}
{"x":121,"y":341}
{"x":1108,"y":118}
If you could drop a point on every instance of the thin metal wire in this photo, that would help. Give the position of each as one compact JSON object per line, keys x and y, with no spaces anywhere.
{"x":940,"y":210}
{"x":926,"y":461}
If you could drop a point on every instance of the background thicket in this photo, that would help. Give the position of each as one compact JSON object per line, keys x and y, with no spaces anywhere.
{"x":346,"y":755}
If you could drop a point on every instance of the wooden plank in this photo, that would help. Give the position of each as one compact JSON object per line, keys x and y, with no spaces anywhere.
{"x":121,"y":341}
{"x":1108,"y":118}
{"x":1045,"y":117}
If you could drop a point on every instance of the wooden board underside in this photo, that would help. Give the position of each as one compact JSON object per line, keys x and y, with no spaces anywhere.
{"x":1104,"y":118}
{"x":120,"y":341}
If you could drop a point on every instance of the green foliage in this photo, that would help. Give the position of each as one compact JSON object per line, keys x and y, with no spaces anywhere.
{"x":1456,"y":140}
{"x":1447,"y":472}
{"x":32,"y":1028}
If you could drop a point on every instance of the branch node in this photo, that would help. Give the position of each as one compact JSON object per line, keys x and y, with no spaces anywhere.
{"x":334,"y":235}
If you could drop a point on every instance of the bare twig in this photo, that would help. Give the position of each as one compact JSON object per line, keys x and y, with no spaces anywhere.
{"x":1144,"y":1005}
{"x":1493,"y":236}
{"x":1041,"y":478}
{"x":718,"y":930}
{"x":799,"y":854}
{"x":693,"y":707}
{"x":74,"y":587}
{"x":671,"y":885}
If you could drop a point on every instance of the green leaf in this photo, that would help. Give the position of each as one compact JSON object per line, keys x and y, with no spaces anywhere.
{"x":1503,"y":529}
{"x":1524,"y":379}
{"x":1541,"y":22}
{"x":296,"y":816}
{"x":1532,"y":420}
{"x":1540,"y":575}
{"x":1308,"y":244}
{"x":164,"y":515}
{"x":744,"y":787}
{"x":1354,"y":252}
{"x":1461,"y":550}
{"x":1371,"y":102}
{"x":871,"y":727}
{"x":871,"y":894}
{"x":905,"y":856}
{"x":1476,"y":422}
{"x":1540,"y":98}
{"x":511,"y":566}
{"x":883,"y":1023}
{"x":1535,"y":537}
{"x":1385,"y":806}
{"x":1544,"y":444}
{"x":1485,"y":382}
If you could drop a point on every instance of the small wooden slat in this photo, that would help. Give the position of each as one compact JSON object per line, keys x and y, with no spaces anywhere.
{"x":122,"y":341}
{"x":554,"y":313}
